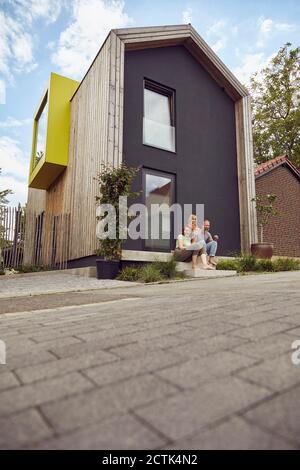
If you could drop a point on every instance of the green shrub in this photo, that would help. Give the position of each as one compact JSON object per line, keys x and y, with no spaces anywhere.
{"x":167,"y":269}
{"x":130,"y":273}
{"x":150,"y":273}
{"x":247,"y":263}
{"x":286,"y":264}
{"x":32,"y":269}
{"x":228,"y":264}
{"x":264,"y":265}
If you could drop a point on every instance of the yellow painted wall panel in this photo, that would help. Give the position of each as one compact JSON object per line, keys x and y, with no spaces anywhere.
{"x":58,"y":95}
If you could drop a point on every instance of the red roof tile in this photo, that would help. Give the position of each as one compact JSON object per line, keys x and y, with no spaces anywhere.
{"x":274,"y":163}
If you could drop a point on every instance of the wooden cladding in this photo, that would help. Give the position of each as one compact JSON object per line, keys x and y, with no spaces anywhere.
{"x":96,"y":139}
{"x":33,"y":238}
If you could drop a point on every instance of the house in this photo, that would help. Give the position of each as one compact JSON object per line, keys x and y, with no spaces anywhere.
{"x":157,"y":98}
{"x":281,"y":177}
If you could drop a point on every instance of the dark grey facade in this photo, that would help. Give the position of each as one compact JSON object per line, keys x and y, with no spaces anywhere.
{"x":205,"y":163}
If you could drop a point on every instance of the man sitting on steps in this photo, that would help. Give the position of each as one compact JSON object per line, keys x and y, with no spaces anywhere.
{"x":211,"y":242}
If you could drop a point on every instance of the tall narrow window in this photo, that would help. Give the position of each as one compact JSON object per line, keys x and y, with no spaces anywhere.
{"x":159,"y":191}
{"x":41,"y":131}
{"x":159,"y":116}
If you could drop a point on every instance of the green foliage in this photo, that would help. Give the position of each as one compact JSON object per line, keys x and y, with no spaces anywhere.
{"x":114,"y":183}
{"x":32,"y":269}
{"x":150,"y":273}
{"x":228,"y":264}
{"x":167,"y":269}
{"x":275,"y":107}
{"x":4,"y":194}
{"x":265,"y":210}
{"x":38,"y":157}
{"x":264,"y":265}
{"x":248,"y":263}
{"x":130,"y":273}
{"x":286,"y":264}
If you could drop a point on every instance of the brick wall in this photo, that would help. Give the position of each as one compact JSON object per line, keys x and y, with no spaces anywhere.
{"x":284,"y":229}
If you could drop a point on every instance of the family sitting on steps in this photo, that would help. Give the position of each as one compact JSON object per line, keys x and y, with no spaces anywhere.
{"x":196,"y":241}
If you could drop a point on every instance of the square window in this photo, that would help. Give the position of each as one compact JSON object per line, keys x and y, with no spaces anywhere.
{"x":159,"y":116}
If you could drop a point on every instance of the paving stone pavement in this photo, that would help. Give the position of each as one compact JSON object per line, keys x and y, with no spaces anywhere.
{"x":51,"y":282}
{"x":192,"y":365}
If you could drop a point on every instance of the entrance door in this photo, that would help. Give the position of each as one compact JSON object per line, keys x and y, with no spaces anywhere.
{"x":158,"y":188}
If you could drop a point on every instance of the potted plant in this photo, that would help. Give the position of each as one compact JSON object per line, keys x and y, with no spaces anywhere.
{"x":265,"y":211}
{"x":113,"y":183}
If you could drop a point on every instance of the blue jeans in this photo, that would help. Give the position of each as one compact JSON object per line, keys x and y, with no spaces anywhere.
{"x":211,"y":248}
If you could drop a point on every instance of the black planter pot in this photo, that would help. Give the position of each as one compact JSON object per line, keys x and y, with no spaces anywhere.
{"x":107,"y":269}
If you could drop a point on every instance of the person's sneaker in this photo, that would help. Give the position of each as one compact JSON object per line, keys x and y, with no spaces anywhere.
{"x":208,"y":267}
{"x":213,"y":261}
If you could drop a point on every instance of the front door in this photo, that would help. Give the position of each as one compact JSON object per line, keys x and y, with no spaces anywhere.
{"x":158,"y":189}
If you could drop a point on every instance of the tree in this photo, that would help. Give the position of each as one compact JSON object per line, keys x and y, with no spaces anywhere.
{"x":3,"y":195}
{"x":276,"y":107}
{"x":113,"y":183}
{"x":265,"y":210}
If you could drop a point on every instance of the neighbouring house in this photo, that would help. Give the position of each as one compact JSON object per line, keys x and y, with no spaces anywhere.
{"x":281,"y":177}
{"x":157,"y":98}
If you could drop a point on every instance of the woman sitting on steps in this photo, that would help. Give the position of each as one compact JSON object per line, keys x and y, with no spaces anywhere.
{"x":190,"y":245}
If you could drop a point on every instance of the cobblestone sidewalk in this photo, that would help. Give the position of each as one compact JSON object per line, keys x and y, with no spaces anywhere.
{"x":51,"y":282}
{"x":193,"y":365}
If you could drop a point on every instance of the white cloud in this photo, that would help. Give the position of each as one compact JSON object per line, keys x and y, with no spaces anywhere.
{"x":19,"y":189}
{"x":13,"y":122}
{"x":15,"y":168}
{"x":218,"y":32}
{"x":91,"y":22}
{"x":187,"y":15}
{"x":16,"y":48}
{"x":217,"y":28}
{"x":31,"y":10}
{"x":2,"y":92}
{"x":12,"y":159}
{"x":268,"y":28}
{"x":251,"y":63}
{"x":17,"y":33}
{"x":219,"y":45}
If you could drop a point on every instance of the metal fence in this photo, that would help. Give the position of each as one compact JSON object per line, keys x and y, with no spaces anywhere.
{"x":33,"y":239}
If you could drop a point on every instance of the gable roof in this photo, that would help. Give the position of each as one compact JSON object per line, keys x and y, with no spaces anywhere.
{"x":186,"y":35}
{"x":270,"y":165}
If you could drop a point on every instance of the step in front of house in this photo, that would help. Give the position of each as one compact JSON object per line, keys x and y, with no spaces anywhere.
{"x":201,"y":273}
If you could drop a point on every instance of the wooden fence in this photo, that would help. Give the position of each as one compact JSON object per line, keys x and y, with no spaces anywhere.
{"x":33,"y":239}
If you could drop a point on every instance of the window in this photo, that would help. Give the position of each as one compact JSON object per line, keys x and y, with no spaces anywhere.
{"x":159,"y":116}
{"x":158,"y":189}
{"x":41,"y":131}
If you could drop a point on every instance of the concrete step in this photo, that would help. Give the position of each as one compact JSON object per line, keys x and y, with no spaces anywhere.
{"x":201,"y":273}
{"x":88,"y":271}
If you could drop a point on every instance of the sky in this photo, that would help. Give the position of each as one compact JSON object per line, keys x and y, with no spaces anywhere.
{"x":63,"y":36}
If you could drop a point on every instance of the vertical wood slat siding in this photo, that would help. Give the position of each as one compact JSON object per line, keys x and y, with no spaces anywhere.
{"x":245,"y":168}
{"x":95,"y":139}
{"x":51,"y":232}
{"x":36,"y":203}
